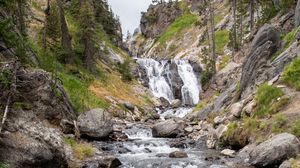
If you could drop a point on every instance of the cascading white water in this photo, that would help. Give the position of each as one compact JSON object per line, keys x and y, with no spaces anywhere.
{"x":158,"y":74}
{"x":157,"y":82}
{"x":190,"y":90}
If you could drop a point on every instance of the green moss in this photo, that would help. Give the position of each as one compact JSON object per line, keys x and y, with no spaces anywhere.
{"x":296,"y":128}
{"x":22,"y":105}
{"x":291,"y":74}
{"x":221,"y":39}
{"x":265,"y":97}
{"x":185,"y":21}
{"x":5,"y":79}
{"x":199,"y":106}
{"x":78,"y":91}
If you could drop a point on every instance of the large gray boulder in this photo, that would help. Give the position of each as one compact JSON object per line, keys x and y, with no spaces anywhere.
{"x":275,"y":150}
{"x":168,"y":129}
{"x":297,"y":14}
{"x":95,"y":124}
{"x":265,"y":44}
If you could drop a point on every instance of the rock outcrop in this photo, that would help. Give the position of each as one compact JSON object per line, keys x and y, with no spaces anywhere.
{"x":32,"y":136}
{"x":264,"y":45}
{"x":158,"y":18}
{"x":95,"y":124}
{"x":297,"y":14}
{"x":275,"y":150}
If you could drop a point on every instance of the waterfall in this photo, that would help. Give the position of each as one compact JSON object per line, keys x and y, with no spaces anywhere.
{"x":174,"y":79}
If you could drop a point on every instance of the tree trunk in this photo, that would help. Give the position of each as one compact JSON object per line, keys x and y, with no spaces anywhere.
{"x":66,"y":39}
{"x":47,"y":14}
{"x":234,"y":25}
{"x":251,"y":14}
{"x":88,"y":52}
{"x":20,"y":16}
{"x":212,"y":30}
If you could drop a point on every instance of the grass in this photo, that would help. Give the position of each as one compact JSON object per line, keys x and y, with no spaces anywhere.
{"x":78,"y":91}
{"x":80,"y":150}
{"x":199,"y":106}
{"x":296,"y":128}
{"x":224,"y":61}
{"x":290,"y":37}
{"x":185,"y":21}
{"x":265,"y":97}
{"x":291,"y":74}
{"x":279,"y":122}
{"x":221,"y":39}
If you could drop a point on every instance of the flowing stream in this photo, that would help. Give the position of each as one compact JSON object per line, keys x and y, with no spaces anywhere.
{"x":170,"y":80}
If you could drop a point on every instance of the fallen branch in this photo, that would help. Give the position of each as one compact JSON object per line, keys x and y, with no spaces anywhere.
{"x":10,"y":94}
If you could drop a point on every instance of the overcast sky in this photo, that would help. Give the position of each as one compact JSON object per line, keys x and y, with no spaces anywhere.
{"x":129,"y":12}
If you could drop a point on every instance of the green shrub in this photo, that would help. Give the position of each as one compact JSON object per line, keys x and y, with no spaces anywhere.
{"x":290,"y":37}
{"x":296,"y":128}
{"x":265,"y":97}
{"x":185,"y":21}
{"x":5,"y":79}
{"x":124,"y":69}
{"x":221,"y":39}
{"x":291,"y":74}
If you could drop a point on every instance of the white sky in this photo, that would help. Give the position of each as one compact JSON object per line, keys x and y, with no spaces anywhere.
{"x":129,"y":12}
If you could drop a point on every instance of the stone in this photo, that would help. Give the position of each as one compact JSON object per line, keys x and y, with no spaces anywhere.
{"x":236,"y":109}
{"x":103,"y":162}
{"x":178,"y":154}
{"x":67,"y":126}
{"x":218,"y":120}
{"x":221,"y":130}
{"x":275,"y":150}
{"x":175,"y":103}
{"x":164,"y":102}
{"x":129,"y":106}
{"x":95,"y":124}
{"x":228,"y":152}
{"x":189,"y":129}
{"x":286,"y":164}
{"x":249,"y":108}
{"x":168,"y":129}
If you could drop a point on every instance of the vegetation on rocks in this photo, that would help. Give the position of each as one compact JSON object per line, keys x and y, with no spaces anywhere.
{"x":291,"y":74}
{"x":267,"y":96}
{"x":81,"y":150}
{"x":185,"y":21}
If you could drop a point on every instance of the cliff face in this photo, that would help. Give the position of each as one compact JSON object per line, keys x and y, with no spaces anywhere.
{"x":158,"y":17}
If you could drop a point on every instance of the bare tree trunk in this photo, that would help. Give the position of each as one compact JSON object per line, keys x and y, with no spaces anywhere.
{"x":65,"y":35}
{"x":47,"y":14}
{"x":234,"y":25}
{"x":12,"y":91}
{"x":212,"y":31}
{"x":20,"y":16}
{"x":88,"y":51}
{"x":252,"y":2}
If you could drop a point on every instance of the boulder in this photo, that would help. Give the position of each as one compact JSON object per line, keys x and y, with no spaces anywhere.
{"x":249,"y":108}
{"x":297,"y":14}
{"x":189,"y":129}
{"x":168,"y":129}
{"x":175,"y":103}
{"x":103,"y":162}
{"x":218,"y":120}
{"x":95,"y":124}
{"x":178,"y":154}
{"x":286,"y":164}
{"x":164,"y":102}
{"x":275,"y":150}
{"x":129,"y":106}
{"x":236,"y":109}
{"x":228,"y":152}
